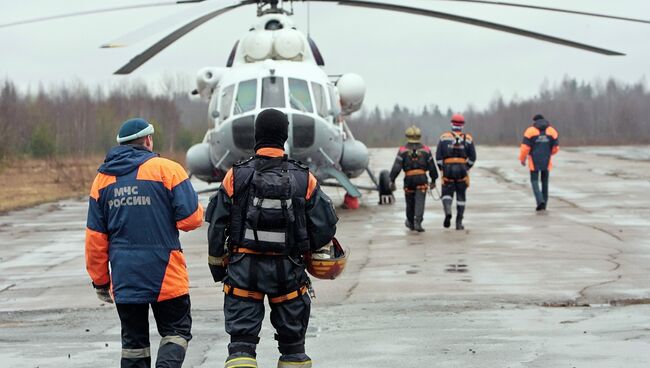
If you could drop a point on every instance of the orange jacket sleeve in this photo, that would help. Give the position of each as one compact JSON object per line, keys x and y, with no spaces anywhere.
{"x":96,"y":249}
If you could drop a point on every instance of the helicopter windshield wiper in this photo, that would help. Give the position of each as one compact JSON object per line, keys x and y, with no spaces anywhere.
{"x":296,"y":103}
{"x":238,"y":109}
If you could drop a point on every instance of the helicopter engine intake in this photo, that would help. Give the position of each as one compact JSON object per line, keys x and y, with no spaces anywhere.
{"x":207,"y":79}
{"x":355,"y":158}
{"x":200,"y":165}
{"x":352,"y":90}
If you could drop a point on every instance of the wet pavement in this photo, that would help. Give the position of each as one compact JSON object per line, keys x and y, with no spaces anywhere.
{"x":565,"y":288}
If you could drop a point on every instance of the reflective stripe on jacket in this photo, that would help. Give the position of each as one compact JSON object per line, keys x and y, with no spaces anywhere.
{"x":321,"y":217}
{"x":137,"y":204}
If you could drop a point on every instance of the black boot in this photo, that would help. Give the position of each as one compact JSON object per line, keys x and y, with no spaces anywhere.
{"x":446,"y":205}
{"x":409,"y":224}
{"x":300,"y":360}
{"x":459,"y":223}
{"x":417,"y":225}
{"x":459,"y":217}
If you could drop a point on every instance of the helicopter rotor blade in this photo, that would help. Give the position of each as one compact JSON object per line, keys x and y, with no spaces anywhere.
{"x":153,"y":50}
{"x":474,"y":22}
{"x":545,"y":8}
{"x":97,"y":11}
{"x":160,"y":25}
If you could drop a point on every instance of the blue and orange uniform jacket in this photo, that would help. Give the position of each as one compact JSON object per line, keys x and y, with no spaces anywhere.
{"x":137,"y":204}
{"x":541,"y":141}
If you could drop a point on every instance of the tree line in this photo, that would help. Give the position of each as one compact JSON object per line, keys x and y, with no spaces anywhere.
{"x":601,"y":113}
{"x":74,"y":119}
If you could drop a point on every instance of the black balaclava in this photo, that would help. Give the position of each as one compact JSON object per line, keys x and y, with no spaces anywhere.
{"x":271,"y":129}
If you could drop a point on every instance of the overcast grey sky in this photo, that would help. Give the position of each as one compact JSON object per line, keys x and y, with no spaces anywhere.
{"x":405,"y":59}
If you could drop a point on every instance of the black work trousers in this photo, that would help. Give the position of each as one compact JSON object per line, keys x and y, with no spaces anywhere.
{"x":272,"y":276}
{"x":415,"y":201}
{"x":449,"y":188}
{"x":174,"y":322}
{"x":541,"y":196}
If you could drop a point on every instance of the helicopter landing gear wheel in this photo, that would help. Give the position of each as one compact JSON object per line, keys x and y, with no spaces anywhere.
{"x":385,"y":193}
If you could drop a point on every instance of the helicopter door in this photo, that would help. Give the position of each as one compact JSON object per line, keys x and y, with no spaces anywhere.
{"x":225,"y":104}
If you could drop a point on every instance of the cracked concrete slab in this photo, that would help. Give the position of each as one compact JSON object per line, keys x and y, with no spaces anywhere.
{"x":517,"y":288}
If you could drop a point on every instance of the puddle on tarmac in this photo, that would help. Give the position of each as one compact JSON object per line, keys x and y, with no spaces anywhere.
{"x":457,"y":268}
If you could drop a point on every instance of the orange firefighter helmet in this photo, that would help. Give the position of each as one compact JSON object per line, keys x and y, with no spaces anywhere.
{"x":458,"y":118}
{"x":328,"y":262}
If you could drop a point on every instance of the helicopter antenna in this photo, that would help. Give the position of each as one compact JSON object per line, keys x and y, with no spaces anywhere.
{"x":308,"y":19}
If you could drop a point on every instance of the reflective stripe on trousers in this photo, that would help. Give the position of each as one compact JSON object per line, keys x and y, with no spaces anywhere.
{"x":174,"y":340}
{"x":136,"y":353}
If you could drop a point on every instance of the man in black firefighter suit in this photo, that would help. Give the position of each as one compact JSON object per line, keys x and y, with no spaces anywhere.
{"x":416,"y":160}
{"x":455,"y":156}
{"x":268,"y":212}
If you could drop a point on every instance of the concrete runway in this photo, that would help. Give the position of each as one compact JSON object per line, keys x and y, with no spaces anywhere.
{"x":567,"y":288}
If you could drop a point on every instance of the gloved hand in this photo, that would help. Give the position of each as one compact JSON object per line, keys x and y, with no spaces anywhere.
{"x":432,"y":185}
{"x":393,"y":187}
{"x":523,"y":163}
{"x":218,"y":273}
{"x":104,"y":293}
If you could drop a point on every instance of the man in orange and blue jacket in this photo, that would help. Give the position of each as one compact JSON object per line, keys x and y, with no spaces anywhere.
{"x":137,"y":204}
{"x":541,"y":141}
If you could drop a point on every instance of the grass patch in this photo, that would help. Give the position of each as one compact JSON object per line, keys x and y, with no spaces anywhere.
{"x":28,"y":181}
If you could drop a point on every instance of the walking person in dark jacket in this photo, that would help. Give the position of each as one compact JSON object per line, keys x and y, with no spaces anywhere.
{"x":137,"y":204}
{"x":416,"y":160}
{"x":267,"y":214}
{"x":455,"y":156}
{"x":541,"y":141}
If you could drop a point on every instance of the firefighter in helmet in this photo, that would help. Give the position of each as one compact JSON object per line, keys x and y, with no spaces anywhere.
{"x":416,"y":160}
{"x":455,"y":156}
{"x":266,"y":220}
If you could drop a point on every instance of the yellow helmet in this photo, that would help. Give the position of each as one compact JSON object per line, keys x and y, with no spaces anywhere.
{"x":413,"y":134}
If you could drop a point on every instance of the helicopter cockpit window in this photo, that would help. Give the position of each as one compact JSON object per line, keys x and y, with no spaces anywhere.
{"x":246,"y":96}
{"x":320,"y":99}
{"x":299,"y":96}
{"x":226,"y":102}
{"x":273,"y":92}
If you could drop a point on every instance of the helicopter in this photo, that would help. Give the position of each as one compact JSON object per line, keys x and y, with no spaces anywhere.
{"x":274,"y":65}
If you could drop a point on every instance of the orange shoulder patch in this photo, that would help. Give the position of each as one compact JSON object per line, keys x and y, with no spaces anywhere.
{"x":311,"y":186}
{"x":531,"y":132}
{"x":162,"y":170}
{"x":228,"y":183}
{"x":101,"y":181}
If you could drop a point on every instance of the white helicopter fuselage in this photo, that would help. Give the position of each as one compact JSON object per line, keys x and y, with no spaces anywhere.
{"x":300,"y":90}
{"x":275,"y":66}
